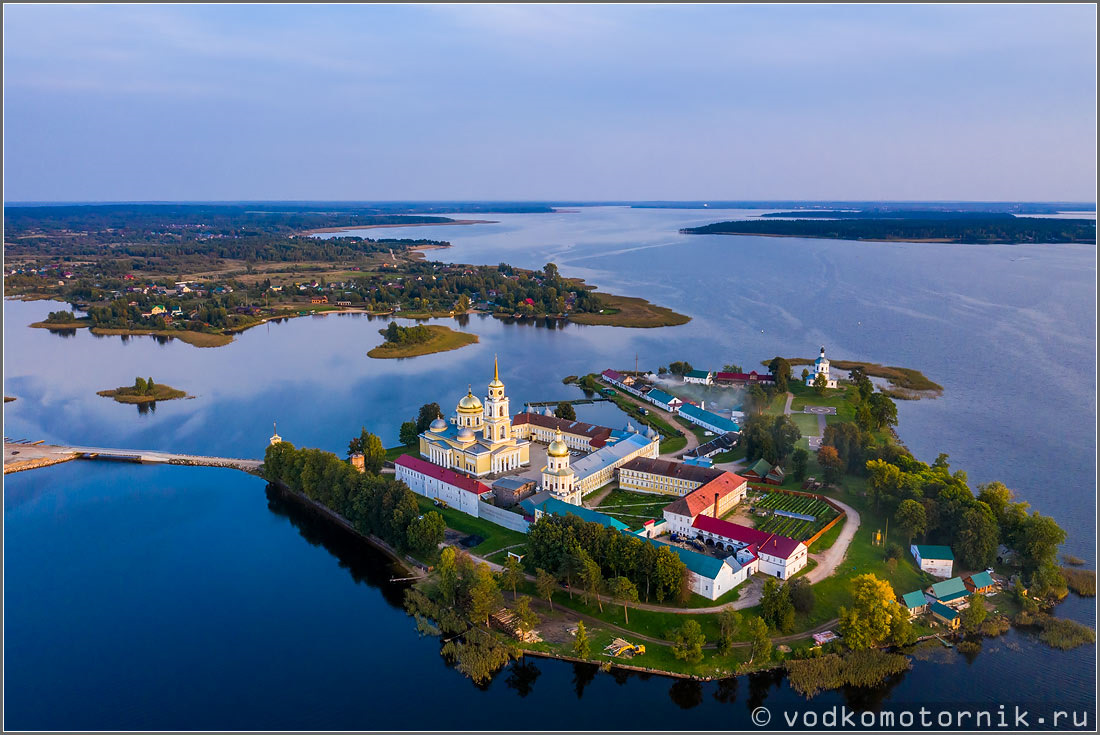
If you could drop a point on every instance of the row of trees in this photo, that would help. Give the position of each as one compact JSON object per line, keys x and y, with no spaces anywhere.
{"x":374,"y":504}
{"x":414,"y":335}
{"x":586,"y":553}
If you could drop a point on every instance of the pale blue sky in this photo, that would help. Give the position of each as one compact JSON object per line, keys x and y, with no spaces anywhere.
{"x":549,"y":102}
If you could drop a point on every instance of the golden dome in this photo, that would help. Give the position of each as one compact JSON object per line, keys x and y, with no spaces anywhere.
{"x":469,"y":403}
{"x":558,"y":447}
{"x":496,"y":375}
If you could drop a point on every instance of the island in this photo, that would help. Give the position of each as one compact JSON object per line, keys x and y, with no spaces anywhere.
{"x":911,"y":226}
{"x":904,"y":383}
{"x":144,"y":390}
{"x":802,"y":537}
{"x":422,"y":339}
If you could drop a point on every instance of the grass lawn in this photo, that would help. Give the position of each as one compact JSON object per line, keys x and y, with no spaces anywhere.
{"x":626,"y":311}
{"x":494,"y":537}
{"x":672,"y":445}
{"x":633,"y":508}
{"x":196,"y":339}
{"x":828,"y":538}
{"x":443,"y":339}
{"x":735,"y":454}
{"x":394,"y":452}
{"x":806,"y":423}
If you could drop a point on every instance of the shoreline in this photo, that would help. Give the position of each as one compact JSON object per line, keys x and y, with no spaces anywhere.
{"x":325,"y":230}
{"x":924,"y":241}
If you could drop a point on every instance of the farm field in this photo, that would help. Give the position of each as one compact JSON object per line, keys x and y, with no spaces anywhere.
{"x":793,"y":527}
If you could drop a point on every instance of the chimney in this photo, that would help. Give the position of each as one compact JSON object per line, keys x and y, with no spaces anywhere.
{"x":716,"y":505}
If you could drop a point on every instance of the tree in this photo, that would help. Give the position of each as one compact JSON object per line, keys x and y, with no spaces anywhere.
{"x":732,"y":367}
{"x":680,"y":368}
{"x":687,"y":642}
{"x":830,"y":461}
{"x":448,"y":575}
{"x":997,"y":496}
{"x":901,"y":631}
{"x":974,"y":615}
{"x":779,"y":367}
{"x":662,"y":370}
{"x":582,"y":648}
{"x":863,"y":417}
{"x":485,"y":595}
{"x":566,"y":411}
{"x":978,"y":538}
{"x":525,"y":616}
{"x":784,"y":435}
{"x":512,"y":574}
{"x":799,"y":460}
{"x":775,"y":606}
{"x":623,"y":590}
{"x":591,"y":578}
{"x":867,"y":623}
{"x":820,"y":384}
{"x":802,"y":595}
{"x":150,"y":387}
{"x":761,"y":643}
{"x":1040,"y":538}
{"x":729,"y":622}
{"x":429,"y":412}
{"x":546,"y":583}
{"x":911,"y":517}
{"x":463,"y":304}
{"x":408,"y":435}
{"x":374,"y":454}
{"x":884,"y":411}
{"x":425,"y":534}
{"x":139,"y":386}
{"x":805,"y":373}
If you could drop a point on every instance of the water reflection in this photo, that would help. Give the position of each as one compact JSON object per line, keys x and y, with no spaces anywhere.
{"x":365,"y":563}
{"x":686,"y":693}
{"x":522,"y":675}
{"x":583,"y":674}
{"x":146,"y":407}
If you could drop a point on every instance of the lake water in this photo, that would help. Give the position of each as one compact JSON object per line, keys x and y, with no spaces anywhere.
{"x":169,"y":597}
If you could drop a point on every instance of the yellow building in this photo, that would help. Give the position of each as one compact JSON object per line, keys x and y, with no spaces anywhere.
{"x":557,"y":476}
{"x":479,"y":441}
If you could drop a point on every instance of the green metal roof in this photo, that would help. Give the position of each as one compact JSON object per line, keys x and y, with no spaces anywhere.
{"x":935,"y":552}
{"x":949,"y":589}
{"x":561,"y":508}
{"x":914,"y":599}
{"x":761,"y":467}
{"x":697,"y":374}
{"x":943,"y":611}
{"x":702,"y":564}
{"x":981,"y":579}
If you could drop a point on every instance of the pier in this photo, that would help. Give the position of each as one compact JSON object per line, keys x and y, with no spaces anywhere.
{"x":572,"y":402}
{"x":22,"y":454}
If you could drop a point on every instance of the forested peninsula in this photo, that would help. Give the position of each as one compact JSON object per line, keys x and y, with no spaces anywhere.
{"x":911,"y":227}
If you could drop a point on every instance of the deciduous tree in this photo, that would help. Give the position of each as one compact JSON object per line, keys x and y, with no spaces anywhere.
{"x":910,"y":516}
{"x":687,"y":642}
{"x":546,"y":583}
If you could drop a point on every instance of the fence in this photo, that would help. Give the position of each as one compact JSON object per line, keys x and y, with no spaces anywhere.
{"x":502,"y":517}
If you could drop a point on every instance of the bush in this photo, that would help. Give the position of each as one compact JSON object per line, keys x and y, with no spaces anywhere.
{"x":1065,"y":634}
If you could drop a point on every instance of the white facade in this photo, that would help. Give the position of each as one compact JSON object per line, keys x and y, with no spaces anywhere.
{"x":727,"y":578}
{"x":430,"y":487}
{"x":821,"y":367}
{"x":935,"y":567}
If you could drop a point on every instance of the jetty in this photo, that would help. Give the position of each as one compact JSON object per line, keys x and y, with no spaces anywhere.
{"x":24,"y":454}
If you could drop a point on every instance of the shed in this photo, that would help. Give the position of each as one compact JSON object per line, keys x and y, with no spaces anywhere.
{"x":915,"y":602}
{"x":949,"y":590}
{"x":944,"y":614}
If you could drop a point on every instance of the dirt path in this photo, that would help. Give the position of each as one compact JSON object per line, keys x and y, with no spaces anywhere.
{"x":598,"y":497}
{"x":787,"y":408}
{"x":830,"y":559}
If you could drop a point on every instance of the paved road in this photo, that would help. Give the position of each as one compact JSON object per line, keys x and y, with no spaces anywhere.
{"x":15,"y":453}
{"x":692,"y":440}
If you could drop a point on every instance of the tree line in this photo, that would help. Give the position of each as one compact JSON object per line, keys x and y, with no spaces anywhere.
{"x":373,"y":503}
{"x":584,"y":554}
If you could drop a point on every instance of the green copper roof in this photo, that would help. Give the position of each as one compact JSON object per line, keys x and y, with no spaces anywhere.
{"x":914,"y":599}
{"x":949,"y":589}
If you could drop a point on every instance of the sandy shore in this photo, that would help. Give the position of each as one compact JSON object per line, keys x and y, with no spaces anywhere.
{"x":411,"y":224}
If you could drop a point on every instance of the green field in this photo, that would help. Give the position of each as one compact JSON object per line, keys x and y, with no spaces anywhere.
{"x":494,"y":537}
{"x":806,"y":423}
{"x":795,"y":528}
{"x":633,"y":508}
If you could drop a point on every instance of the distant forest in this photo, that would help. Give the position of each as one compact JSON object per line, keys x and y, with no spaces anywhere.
{"x":983,"y":229}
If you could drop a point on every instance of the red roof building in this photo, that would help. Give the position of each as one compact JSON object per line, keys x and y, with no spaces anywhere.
{"x":436,"y":472}
{"x":771,"y":544}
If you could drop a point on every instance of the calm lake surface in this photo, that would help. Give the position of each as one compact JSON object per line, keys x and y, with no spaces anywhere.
{"x":170,"y":597}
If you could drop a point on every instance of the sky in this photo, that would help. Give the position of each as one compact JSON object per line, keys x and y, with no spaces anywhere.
{"x":549,"y":102}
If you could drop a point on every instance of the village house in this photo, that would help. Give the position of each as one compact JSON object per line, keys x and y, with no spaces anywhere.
{"x":936,"y":560}
{"x":943,"y":614}
{"x":915,"y":602}
{"x":981,"y":583}
{"x":709,"y":420}
{"x":699,"y":377}
{"x":950,"y":591}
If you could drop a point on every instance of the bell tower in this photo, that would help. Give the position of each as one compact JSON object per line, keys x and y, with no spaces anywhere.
{"x":498,"y":421}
